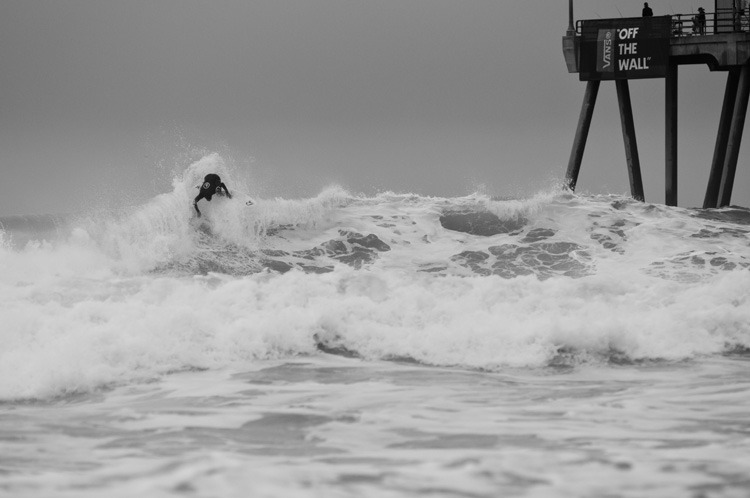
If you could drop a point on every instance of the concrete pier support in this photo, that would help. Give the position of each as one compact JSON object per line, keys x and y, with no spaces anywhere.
{"x":628,"y":135}
{"x":582,"y":133}
{"x":735,"y":138}
{"x":670,"y":113}
{"x":711,"y":200}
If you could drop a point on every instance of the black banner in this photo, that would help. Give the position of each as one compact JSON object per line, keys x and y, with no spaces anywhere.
{"x":627,"y":48}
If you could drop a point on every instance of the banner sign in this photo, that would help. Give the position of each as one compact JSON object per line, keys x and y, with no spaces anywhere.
{"x":627,"y":48}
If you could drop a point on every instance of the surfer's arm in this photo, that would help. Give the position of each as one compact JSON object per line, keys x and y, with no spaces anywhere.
{"x":226,"y":190}
{"x":195,"y":205}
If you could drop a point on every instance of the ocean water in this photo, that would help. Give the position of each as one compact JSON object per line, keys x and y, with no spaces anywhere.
{"x":390,"y":346}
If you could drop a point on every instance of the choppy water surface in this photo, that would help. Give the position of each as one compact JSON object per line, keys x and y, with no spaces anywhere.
{"x":395,"y":345}
{"x":331,"y":426}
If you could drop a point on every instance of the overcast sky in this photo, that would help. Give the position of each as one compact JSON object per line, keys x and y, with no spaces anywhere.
{"x":105,"y":99}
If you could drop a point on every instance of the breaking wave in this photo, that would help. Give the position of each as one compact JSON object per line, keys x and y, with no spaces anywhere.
{"x":472,"y":282}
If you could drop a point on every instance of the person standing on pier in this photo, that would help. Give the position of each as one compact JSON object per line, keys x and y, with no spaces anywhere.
{"x":740,"y":9}
{"x":699,"y":22}
{"x":647,"y":12}
{"x":702,"y":20}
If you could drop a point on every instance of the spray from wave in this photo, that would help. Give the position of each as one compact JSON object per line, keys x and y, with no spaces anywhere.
{"x":471,"y":282}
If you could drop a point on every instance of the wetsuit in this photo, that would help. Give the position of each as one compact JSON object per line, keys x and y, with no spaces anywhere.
{"x":212,"y":184}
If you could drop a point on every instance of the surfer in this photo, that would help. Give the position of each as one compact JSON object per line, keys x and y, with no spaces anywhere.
{"x":212,"y":184}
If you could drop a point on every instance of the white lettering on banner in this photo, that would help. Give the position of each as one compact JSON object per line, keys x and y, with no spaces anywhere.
{"x":630,"y":48}
{"x":636,"y":63}
{"x":607,"y":55}
{"x":627,"y":33}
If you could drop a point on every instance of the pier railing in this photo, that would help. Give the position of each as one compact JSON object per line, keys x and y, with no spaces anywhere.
{"x":721,"y":21}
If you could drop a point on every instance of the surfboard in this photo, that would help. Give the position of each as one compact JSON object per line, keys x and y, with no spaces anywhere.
{"x":239,"y":196}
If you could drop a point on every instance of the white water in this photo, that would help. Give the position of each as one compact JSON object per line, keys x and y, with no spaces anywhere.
{"x":592,"y":345}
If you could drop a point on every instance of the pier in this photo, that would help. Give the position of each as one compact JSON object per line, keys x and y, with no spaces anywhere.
{"x":654,"y":47}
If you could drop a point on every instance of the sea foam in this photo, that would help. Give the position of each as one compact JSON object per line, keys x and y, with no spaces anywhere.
{"x":472,"y":282}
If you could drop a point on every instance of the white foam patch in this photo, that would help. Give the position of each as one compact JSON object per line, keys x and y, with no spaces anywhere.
{"x":71,"y":334}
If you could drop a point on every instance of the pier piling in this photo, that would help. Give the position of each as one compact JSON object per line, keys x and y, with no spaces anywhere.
{"x":582,"y":133}
{"x":711,"y":199}
{"x":670,"y":120}
{"x":735,"y":138}
{"x":628,"y":135}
